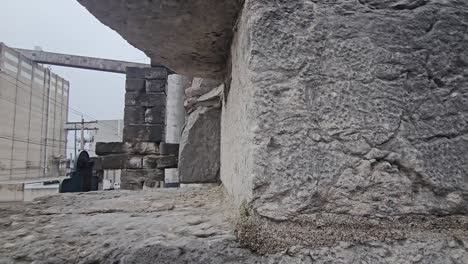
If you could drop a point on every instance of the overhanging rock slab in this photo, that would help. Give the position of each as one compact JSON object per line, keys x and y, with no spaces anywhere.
{"x":190,"y":37}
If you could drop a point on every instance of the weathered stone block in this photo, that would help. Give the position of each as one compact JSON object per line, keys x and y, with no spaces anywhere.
{"x":199,"y":153}
{"x":136,"y":179}
{"x":155,"y":115}
{"x":168,"y":162}
{"x":151,"y":162}
{"x":160,"y":162}
{"x":151,"y":174}
{"x":201,"y":86}
{"x":169,"y":149}
{"x":147,"y":100}
{"x":362,"y":116}
{"x":134,"y":115}
{"x":140,"y":148}
{"x":97,"y":163}
{"x":107,"y":148}
{"x":121,"y":161}
{"x":156,"y":86}
{"x":135,"y":85}
{"x":114,"y":162}
{"x":131,"y":186}
{"x":134,"y":162}
{"x":147,"y":73}
{"x":144,"y":148}
{"x":209,"y":99}
{"x":144,"y":133}
{"x":190,"y":37}
{"x":345,"y":108}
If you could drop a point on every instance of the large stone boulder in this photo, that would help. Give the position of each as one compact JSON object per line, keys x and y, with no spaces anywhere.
{"x":346,"y":123}
{"x":199,"y":147}
{"x":346,"y":118}
{"x":349,"y":107}
{"x":200,"y":143}
{"x":190,"y":37}
{"x":203,"y":93}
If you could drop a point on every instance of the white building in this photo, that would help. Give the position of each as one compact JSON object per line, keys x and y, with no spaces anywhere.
{"x":107,"y":131}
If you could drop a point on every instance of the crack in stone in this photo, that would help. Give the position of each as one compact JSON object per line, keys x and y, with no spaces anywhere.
{"x":410,"y":4}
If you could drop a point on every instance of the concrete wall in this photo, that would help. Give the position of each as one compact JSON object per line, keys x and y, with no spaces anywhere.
{"x":36,"y":190}
{"x":20,"y":192}
{"x":34,"y":107}
{"x":82,"y":62}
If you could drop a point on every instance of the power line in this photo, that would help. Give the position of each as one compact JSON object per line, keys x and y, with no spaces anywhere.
{"x":54,"y":119}
{"x":23,"y":173}
{"x":27,"y":141}
{"x":53,"y":101}
{"x":30,"y":142}
{"x":34,"y":109}
{"x":49,"y":139}
{"x":57,"y":103}
{"x":20,"y":105}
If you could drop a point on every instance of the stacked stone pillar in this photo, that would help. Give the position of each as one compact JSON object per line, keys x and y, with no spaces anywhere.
{"x":145,"y":105}
{"x":139,"y":156}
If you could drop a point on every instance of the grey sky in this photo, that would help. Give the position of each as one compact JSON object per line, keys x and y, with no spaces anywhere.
{"x":65,"y":26}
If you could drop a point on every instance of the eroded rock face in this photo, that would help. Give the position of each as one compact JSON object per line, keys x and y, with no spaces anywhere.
{"x":199,"y":156}
{"x":358,"y":108}
{"x":190,"y":37}
{"x":203,"y":93}
{"x":200,"y":146}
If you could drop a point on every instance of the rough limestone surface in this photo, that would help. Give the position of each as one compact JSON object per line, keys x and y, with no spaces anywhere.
{"x":203,"y":93}
{"x":201,"y":86}
{"x":199,"y":151}
{"x":355,"y":108}
{"x":199,"y":155}
{"x":175,"y":227}
{"x":190,"y":37}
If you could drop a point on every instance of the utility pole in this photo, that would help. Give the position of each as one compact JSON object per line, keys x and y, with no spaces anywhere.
{"x":74,"y":142}
{"x":82,"y":134}
{"x":82,"y":129}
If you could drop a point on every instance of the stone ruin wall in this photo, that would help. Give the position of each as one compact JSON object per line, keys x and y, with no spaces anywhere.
{"x":157,"y":120}
{"x":334,"y":106}
{"x":143,"y":155}
{"x":341,"y":120}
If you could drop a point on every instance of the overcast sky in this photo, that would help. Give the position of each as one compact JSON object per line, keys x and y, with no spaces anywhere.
{"x":64,"y":26}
